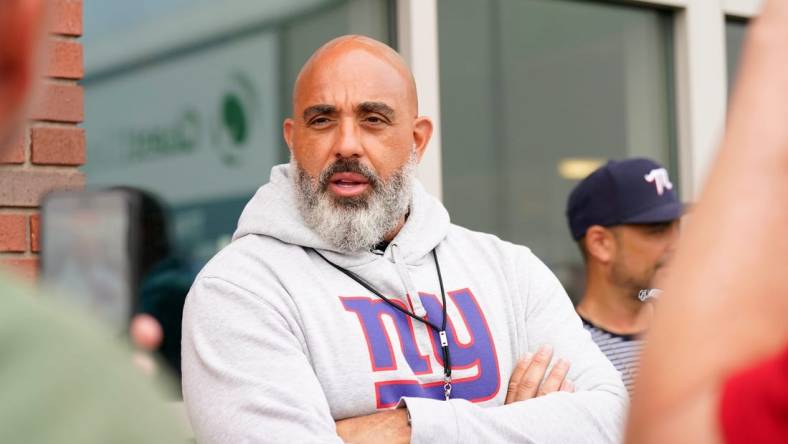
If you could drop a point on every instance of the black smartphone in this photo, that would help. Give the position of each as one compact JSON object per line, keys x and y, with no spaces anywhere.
{"x":89,"y":252}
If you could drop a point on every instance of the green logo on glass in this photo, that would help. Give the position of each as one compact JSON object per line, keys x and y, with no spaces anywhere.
{"x":238,"y":109}
{"x":234,"y":118}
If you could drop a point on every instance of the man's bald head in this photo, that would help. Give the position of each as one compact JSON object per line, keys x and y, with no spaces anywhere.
{"x":355,"y":51}
{"x":355,"y":138}
{"x":355,"y":106}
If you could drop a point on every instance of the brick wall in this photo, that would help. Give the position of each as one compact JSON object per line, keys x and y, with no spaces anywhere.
{"x":49,"y":151}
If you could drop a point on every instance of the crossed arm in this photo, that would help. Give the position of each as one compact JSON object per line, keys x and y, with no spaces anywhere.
{"x":527,"y":381}
{"x":595,"y":411}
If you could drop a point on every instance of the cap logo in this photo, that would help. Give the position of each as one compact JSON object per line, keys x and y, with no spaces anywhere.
{"x":659,"y":177}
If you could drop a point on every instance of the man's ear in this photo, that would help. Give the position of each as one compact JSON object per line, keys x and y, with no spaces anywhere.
{"x":287,"y":132}
{"x":422,"y":132}
{"x":600,"y":244}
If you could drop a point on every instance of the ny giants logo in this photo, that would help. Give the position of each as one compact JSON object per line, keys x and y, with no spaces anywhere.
{"x":478,"y":353}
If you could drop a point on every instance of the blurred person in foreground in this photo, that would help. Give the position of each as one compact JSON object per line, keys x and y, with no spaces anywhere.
{"x":625,"y":219}
{"x":715,"y":368}
{"x":348,"y":307}
{"x":62,"y":379}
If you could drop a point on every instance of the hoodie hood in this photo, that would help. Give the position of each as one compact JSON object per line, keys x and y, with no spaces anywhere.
{"x":273,"y":212}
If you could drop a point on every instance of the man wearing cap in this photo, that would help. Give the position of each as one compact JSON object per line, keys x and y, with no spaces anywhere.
{"x":624,"y":217}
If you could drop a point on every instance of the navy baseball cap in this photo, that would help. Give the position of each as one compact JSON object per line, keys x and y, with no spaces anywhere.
{"x":631,"y":191}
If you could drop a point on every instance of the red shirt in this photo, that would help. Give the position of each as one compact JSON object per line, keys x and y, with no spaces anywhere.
{"x":754,"y":405}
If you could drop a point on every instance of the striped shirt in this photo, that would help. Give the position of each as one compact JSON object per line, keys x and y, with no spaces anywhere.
{"x":622,"y":350}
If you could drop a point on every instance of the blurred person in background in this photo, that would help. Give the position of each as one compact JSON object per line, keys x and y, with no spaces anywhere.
{"x":62,"y":378}
{"x":164,"y":281}
{"x":715,"y":368}
{"x":625,"y":218}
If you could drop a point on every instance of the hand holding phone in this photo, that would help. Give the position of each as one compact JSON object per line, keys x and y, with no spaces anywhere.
{"x":89,"y":252}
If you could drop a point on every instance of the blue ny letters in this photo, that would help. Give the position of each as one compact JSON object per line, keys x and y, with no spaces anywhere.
{"x":478,"y":353}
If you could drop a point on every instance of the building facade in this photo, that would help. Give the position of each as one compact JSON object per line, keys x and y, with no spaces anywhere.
{"x":47,"y":153}
{"x":186,"y":98}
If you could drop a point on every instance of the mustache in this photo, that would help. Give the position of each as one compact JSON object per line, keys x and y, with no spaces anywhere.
{"x":348,"y":166}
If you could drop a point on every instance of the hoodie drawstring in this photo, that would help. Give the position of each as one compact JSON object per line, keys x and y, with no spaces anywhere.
{"x":407,"y":282}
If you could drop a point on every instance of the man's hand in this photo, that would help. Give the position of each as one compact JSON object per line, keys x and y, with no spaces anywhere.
{"x":526,"y":381}
{"x":390,"y":426}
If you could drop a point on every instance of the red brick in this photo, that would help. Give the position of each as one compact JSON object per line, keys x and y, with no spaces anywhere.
{"x":65,"y":60}
{"x":57,"y":146}
{"x":13,"y":232}
{"x":25,"y":188}
{"x":67,"y":17}
{"x":60,"y":103}
{"x":35,"y":232}
{"x":23,"y":267}
{"x":15,"y":152}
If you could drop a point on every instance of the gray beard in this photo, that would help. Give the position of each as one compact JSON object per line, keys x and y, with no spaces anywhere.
{"x":358,"y":223}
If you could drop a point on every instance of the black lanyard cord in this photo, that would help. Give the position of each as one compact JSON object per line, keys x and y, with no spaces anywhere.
{"x":444,"y":342}
{"x":440,"y":330}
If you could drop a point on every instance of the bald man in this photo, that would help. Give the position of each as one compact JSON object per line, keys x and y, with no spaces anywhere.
{"x":348,"y":307}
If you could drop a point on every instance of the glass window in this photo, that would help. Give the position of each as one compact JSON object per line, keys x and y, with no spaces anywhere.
{"x":185,"y":98}
{"x":735,"y":31}
{"x":534,"y":95}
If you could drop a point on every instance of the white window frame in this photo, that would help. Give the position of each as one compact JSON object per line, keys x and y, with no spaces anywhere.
{"x":742,"y":8}
{"x":700,"y":76}
{"x":417,"y":41}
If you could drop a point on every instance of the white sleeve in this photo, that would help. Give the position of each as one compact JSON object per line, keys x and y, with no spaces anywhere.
{"x":593,"y":414}
{"x":246,"y":377}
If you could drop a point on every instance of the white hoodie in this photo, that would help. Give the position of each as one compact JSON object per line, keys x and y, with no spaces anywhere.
{"x":277,"y":344}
